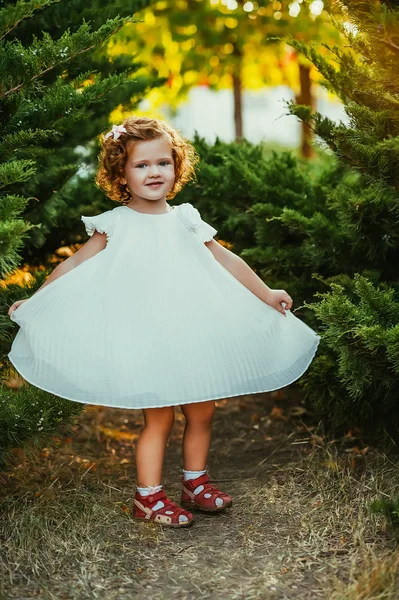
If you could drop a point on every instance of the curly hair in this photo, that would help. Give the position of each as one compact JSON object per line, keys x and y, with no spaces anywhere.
{"x":114,"y":154}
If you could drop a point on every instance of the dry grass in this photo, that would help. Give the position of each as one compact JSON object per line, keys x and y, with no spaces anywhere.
{"x":300,"y":527}
{"x":378,"y":581}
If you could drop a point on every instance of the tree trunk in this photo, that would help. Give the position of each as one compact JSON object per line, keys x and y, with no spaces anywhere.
{"x":237,"y":106}
{"x":237,"y":89}
{"x":306,"y":97}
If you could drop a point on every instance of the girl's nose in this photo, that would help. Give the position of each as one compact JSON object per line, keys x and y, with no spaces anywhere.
{"x":154,"y":170}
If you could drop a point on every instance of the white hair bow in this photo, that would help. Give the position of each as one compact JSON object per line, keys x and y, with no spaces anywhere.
{"x":116,"y":132}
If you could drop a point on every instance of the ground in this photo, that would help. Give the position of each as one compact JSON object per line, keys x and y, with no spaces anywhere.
{"x":300,"y":526}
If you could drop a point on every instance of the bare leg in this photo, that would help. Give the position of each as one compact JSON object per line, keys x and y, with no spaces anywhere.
{"x":150,"y":449}
{"x":197,"y":434}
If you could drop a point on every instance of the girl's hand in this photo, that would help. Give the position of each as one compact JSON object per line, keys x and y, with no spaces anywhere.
{"x":15,"y":305}
{"x":280,"y":300}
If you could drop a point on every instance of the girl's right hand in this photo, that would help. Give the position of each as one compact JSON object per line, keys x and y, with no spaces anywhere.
{"x":15,"y":305}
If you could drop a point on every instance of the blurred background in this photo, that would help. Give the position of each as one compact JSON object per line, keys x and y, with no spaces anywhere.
{"x":227,"y":74}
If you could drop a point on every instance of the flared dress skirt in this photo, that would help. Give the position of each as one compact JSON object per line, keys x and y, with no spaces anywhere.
{"x":155,"y":320}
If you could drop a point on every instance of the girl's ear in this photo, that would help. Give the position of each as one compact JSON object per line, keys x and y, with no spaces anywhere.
{"x":123,"y":181}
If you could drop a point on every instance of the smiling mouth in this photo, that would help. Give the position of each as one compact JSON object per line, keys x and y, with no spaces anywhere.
{"x":155,"y":183}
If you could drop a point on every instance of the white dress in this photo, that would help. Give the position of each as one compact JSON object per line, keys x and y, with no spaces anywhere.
{"x":155,"y":320}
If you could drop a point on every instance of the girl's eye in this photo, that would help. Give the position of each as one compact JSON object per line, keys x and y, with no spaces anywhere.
{"x":163,"y":162}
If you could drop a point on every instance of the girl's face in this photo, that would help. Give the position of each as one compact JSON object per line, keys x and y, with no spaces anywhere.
{"x":149,"y":169}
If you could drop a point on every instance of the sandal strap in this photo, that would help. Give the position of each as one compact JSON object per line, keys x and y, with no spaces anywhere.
{"x":209,"y":488}
{"x":213,"y":490}
{"x":178,"y":510}
{"x":157,"y":496}
{"x":168,"y":505}
{"x":201,"y":480}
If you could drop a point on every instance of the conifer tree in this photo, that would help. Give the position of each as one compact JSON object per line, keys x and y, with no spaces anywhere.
{"x":354,"y":380}
{"x":57,"y":87}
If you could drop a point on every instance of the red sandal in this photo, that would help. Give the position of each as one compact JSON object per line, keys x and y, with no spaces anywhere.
{"x":206,"y":498}
{"x":167,"y":515}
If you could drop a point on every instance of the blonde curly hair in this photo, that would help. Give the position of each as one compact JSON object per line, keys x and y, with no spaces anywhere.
{"x":114,"y":154}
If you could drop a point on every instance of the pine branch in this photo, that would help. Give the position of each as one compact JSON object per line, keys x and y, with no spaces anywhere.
{"x":47,"y":54}
{"x":11,"y":206}
{"x":11,"y":16}
{"x":9,"y":143}
{"x":16,"y":171}
{"x":63,"y":104}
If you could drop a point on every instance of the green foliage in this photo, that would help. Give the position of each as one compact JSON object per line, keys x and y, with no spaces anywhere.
{"x":13,"y":14}
{"x":364,"y":74}
{"x":328,"y":231}
{"x":16,"y":171}
{"x":21,"y":66}
{"x":357,"y":371}
{"x":29,"y":418}
{"x":388,"y":508}
{"x":57,"y":87}
{"x":353,"y":379}
{"x":281,"y":214}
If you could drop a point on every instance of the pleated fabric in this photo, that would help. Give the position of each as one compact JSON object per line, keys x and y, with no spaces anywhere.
{"x":155,"y":320}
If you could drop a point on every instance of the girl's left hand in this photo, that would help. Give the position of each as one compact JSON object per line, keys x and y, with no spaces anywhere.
{"x":277,"y":299}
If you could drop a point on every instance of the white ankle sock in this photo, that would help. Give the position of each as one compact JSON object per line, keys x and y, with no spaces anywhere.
{"x":151,"y":489}
{"x":192,"y":474}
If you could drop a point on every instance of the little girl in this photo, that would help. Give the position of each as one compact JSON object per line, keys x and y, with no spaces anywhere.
{"x":152,"y":312}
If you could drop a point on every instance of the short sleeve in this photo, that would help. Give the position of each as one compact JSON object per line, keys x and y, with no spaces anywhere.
{"x":103,"y":223}
{"x":192,"y":219}
{"x":206,"y":231}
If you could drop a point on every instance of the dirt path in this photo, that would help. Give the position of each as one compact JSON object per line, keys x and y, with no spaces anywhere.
{"x":297,"y":528}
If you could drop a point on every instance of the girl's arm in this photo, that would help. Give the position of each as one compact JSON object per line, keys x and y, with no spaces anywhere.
{"x":245,"y":275}
{"x":94,"y":244}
